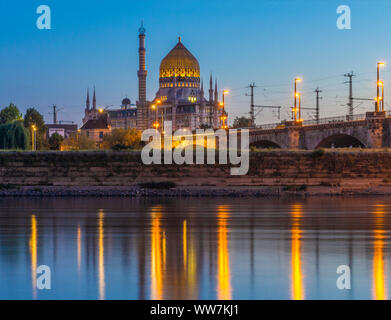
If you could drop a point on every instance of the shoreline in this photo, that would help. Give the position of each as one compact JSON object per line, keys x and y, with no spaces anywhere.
{"x":196,"y":191}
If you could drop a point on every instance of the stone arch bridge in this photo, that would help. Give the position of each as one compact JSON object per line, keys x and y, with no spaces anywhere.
{"x":370,"y":130}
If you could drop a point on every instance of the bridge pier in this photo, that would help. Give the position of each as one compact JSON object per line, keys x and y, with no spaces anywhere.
{"x":293,"y":134}
{"x":376,"y":129}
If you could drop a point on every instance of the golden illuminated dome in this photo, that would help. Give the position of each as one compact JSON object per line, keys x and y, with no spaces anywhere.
{"x":179,"y":68}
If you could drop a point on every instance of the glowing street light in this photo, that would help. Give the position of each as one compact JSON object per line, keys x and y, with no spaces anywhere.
{"x":378,"y":109}
{"x":33,"y":137}
{"x":224,"y":116}
{"x":156,"y":125}
{"x":296,"y":95}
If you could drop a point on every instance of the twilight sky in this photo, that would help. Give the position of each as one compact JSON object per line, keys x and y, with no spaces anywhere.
{"x":268,"y":42}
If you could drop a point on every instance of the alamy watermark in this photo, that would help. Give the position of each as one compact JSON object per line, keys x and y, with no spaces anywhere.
{"x":225,"y":142}
{"x":44,"y":278}
{"x":344,"y":280}
{"x":344,"y":20}
{"x":44,"y":21}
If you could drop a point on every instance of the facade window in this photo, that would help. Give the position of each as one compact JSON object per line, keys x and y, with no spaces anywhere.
{"x":88,"y":133}
{"x":101,"y":135}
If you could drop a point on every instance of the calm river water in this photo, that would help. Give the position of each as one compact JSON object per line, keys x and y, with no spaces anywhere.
{"x":200,"y":248}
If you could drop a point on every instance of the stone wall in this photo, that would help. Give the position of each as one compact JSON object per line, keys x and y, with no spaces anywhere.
{"x":266,"y":168}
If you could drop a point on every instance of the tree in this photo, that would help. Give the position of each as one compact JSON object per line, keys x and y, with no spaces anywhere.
{"x":10,"y":114}
{"x":122,"y":139}
{"x":241,"y":122}
{"x":78,"y":142}
{"x":14,"y":136}
{"x":33,"y":117}
{"x":55,"y":141}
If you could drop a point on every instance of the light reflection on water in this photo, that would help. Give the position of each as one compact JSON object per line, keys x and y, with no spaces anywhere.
{"x":195,"y":248}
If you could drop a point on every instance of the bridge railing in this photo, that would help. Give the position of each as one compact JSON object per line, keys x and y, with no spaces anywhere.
{"x":345,"y":118}
{"x":328,"y":120}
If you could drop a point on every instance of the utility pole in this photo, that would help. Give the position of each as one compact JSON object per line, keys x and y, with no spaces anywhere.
{"x":350,"y":103}
{"x":253,"y":106}
{"x":252,"y":114}
{"x":317,"y":109}
{"x":54,"y":113}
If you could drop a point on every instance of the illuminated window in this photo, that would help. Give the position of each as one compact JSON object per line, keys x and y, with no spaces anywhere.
{"x":192,"y":99}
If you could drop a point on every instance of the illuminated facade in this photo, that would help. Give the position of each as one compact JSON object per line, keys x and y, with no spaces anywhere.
{"x":180,"y":98}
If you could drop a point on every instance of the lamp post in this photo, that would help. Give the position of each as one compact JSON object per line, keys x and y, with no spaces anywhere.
{"x":381,"y":98}
{"x":33,"y":137}
{"x":155,"y":123}
{"x":296,"y":95}
{"x":223,"y":115}
{"x":379,"y":64}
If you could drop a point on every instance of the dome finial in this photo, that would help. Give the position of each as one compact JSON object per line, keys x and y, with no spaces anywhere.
{"x":142,"y":30}
{"x":180,"y":38}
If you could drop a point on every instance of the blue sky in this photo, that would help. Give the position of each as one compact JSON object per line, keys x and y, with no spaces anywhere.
{"x":268,"y":42}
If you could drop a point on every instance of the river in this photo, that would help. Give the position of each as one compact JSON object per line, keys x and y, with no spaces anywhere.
{"x":194,"y":248}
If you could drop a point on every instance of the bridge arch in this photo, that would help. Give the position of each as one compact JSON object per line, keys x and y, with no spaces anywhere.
{"x":265,"y":144}
{"x":340,"y":140}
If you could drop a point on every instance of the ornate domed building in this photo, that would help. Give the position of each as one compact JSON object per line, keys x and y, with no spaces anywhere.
{"x":180,"y":98}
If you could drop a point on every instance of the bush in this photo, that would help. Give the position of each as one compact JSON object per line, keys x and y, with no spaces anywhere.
{"x":121,"y":139}
{"x":318,"y":153}
{"x":55,"y":141}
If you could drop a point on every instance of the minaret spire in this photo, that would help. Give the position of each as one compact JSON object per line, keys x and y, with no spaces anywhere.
{"x":88,"y":100}
{"x":142,"y":105}
{"x":142,"y":72}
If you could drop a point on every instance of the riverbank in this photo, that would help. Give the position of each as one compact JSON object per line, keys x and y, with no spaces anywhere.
{"x":272,"y":173}
{"x":183,"y":192}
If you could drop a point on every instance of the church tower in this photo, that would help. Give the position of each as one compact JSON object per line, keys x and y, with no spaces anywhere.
{"x":142,"y":105}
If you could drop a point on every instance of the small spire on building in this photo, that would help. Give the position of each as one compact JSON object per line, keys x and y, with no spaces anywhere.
{"x":88,"y":100}
{"x":216,"y":92}
{"x":94,"y":100}
{"x":211,"y":88}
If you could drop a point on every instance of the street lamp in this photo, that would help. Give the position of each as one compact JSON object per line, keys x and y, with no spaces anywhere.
{"x":379,"y":64}
{"x":224,"y":93}
{"x":223,"y":117}
{"x":33,"y":137}
{"x":296,"y":95}
{"x":381,"y":99}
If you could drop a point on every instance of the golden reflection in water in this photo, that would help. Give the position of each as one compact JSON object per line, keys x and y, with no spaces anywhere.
{"x":101,"y":255}
{"x":33,"y":252}
{"x":297,"y":287}
{"x":78,"y":248}
{"x":158,"y":254}
{"x":224,"y":291}
{"x":184,"y":240}
{"x":379,"y":291}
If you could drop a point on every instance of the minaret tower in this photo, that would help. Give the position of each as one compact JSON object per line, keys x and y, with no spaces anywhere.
{"x":142,"y":106}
